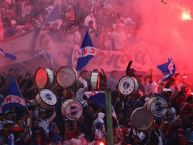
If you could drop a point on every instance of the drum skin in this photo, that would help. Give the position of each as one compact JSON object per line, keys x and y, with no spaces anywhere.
{"x":44,"y":78}
{"x":157,"y":105}
{"x":66,"y":76}
{"x":46,"y":99}
{"x":142,"y":118}
{"x":128,"y":85}
{"x":71,"y":109}
{"x":95,"y":81}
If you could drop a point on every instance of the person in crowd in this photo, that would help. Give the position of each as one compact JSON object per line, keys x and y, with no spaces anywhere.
{"x":100,"y":122}
{"x":45,"y":122}
{"x":10,"y":29}
{"x":90,"y":18}
{"x":27,"y":86}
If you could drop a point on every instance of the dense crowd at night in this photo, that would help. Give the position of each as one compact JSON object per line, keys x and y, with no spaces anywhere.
{"x":109,"y":29}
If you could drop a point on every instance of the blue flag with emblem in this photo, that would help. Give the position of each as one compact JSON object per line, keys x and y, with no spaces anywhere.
{"x":7,"y":55}
{"x":13,"y":98}
{"x":87,"y":52}
{"x":168,"y":69}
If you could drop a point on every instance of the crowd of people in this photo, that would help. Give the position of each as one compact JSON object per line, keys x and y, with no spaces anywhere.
{"x":110,"y":28}
{"x":38,"y":126}
{"x":106,"y":20}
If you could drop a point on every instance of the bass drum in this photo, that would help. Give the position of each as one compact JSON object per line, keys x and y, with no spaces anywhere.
{"x":66,"y":76}
{"x":157,"y":105}
{"x":95,"y":81}
{"x":46,"y":99}
{"x":71,"y":109}
{"x":141,"y":118}
{"x":44,"y":78}
{"x":128,"y":85}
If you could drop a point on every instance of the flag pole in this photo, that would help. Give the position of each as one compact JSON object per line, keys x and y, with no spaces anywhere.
{"x":110,"y":140}
{"x":22,"y":96}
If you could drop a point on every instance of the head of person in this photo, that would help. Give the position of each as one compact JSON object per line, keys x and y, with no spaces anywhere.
{"x":90,"y":24}
{"x":101,"y":115}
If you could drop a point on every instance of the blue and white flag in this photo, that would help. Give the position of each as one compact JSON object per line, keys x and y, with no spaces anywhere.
{"x":99,"y":99}
{"x":168,"y":69}
{"x":13,"y":98}
{"x":87,"y":52}
{"x":54,"y":15}
{"x":7,"y":55}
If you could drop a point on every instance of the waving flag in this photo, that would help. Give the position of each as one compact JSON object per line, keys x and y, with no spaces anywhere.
{"x":98,"y":98}
{"x":87,"y":52}
{"x":7,"y":55}
{"x":168,"y":69}
{"x":13,"y":98}
{"x":54,"y":15}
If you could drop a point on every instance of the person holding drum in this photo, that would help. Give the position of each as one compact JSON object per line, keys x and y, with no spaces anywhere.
{"x":82,"y":87}
{"x":45,"y":122}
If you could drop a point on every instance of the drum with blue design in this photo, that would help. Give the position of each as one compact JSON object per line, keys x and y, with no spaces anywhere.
{"x":46,"y":99}
{"x":128,"y":85}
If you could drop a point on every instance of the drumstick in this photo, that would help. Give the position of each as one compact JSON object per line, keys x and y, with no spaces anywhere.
{"x":128,"y":67}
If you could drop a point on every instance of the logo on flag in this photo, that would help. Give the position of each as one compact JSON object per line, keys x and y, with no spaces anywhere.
{"x":85,"y":53}
{"x":7,"y":55}
{"x":168,"y":69}
{"x":13,"y":98}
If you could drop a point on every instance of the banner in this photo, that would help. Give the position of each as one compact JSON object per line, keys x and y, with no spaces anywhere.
{"x":23,"y":47}
{"x":63,"y":50}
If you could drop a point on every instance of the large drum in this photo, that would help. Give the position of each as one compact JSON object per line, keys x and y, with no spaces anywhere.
{"x":128,"y":85}
{"x":44,"y":78}
{"x":95,"y":81}
{"x":71,"y":109}
{"x":157,"y":105}
{"x":66,"y":76}
{"x":141,"y":118}
{"x":46,"y":99}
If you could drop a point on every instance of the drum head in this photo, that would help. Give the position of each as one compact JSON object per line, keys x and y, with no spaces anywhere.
{"x":41,"y":78}
{"x":142,"y":118}
{"x":158,"y":107}
{"x":126,"y":85}
{"x":71,"y":109}
{"x":48,"y":97}
{"x":66,"y":76}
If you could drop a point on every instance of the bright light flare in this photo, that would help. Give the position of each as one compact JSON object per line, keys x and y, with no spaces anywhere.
{"x":186,"y":16}
{"x":101,"y":143}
